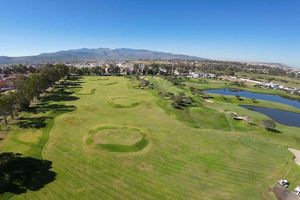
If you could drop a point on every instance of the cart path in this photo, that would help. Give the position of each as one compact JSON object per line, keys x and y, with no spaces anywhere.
{"x":284,"y":194}
{"x":296,"y":154}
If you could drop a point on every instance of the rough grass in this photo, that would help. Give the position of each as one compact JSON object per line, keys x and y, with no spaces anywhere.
{"x":180,"y":162}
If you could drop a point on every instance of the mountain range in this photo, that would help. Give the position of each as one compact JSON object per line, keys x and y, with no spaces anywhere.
{"x":85,"y":54}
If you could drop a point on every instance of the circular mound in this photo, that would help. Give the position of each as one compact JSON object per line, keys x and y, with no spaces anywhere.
{"x":117,"y":136}
{"x":117,"y":139}
{"x":124,"y":102}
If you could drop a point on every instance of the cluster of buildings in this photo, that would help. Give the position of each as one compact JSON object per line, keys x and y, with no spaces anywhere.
{"x":275,"y":86}
{"x":270,"y":85}
{"x":201,"y":75}
{"x":7,"y":83}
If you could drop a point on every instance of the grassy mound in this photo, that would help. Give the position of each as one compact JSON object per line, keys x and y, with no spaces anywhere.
{"x":117,"y":139}
{"x":89,"y":93}
{"x":116,"y":136}
{"x":124,"y":102}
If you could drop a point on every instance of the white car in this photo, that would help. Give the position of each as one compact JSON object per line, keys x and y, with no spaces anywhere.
{"x":284,"y":183}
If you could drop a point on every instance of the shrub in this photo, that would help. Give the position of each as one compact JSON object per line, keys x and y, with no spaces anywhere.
{"x":270,"y":125}
{"x":181,"y":101}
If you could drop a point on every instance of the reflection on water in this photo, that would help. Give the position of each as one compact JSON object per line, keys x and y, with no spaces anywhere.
{"x":267,"y":97}
{"x":280,"y":116}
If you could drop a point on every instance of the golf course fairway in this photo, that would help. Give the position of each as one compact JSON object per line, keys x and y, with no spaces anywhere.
{"x":154,"y":150}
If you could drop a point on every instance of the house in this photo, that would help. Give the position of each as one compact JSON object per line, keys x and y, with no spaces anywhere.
{"x":272,"y":85}
{"x":193,"y":75}
{"x":201,"y":75}
{"x":7,"y":84}
{"x":212,"y":76}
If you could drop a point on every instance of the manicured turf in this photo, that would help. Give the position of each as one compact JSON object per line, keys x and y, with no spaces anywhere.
{"x":117,"y":139}
{"x":117,"y":136}
{"x":194,"y":153}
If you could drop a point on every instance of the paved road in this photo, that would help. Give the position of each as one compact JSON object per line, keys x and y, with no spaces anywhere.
{"x":284,"y":194}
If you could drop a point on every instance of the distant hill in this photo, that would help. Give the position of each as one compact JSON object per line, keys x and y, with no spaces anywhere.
{"x":96,"y":54}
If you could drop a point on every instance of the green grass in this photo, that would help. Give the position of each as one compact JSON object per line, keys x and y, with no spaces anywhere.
{"x":124,"y":102}
{"x":117,"y":139}
{"x":195,"y":153}
{"x":89,"y":93}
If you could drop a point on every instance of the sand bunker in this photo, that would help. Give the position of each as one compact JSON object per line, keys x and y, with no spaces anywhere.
{"x":296,"y":154}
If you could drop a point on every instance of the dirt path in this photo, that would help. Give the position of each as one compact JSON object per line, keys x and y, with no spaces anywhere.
{"x":296,"y":154}
{"x":284,"y":194}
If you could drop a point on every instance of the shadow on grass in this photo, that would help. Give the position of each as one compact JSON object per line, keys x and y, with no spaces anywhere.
{"x":33,"y":122}
{"x":45,"y":107}
{"x":70,"y":85}
{"x":60,"y":95}
{"x":273,"y":130}
{"x":19,"y":174}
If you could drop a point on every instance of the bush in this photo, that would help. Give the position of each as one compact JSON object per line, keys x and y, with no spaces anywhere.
{"x":270,"y":125}
{"x":175,"y":80}
{"x":144,"y":83}
{"x":239,"y":98}
{"x":254,"y":100}
{"x":181,"y":101}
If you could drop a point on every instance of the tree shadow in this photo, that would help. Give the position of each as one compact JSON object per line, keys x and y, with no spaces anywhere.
{"x":33,"y":122}
{"x":273,"y":130}
{"x":45,"y":107}
{"x":60,"y":95}
{"x":19,"y":174}
{"x":71,"y":84}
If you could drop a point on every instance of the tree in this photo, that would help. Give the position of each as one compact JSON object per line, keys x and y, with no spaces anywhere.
{"x":23,"y":97}
{"x":155,"y":69}
{"x":4,"y":108}
{"x":146,"y":70}
{"x":269,"y":124}
{"x":135,"y":69}
{"x":30,"y":87}
{"x":11,"y":103}
{"x":114,"y":69}
{"x":180,"y":101}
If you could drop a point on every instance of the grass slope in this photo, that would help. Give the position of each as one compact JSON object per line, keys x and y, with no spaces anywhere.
{"x":181,"y":160}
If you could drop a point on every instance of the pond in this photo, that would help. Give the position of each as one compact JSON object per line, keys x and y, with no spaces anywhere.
{"x":280,"y":116}
{"x":259,"y":96}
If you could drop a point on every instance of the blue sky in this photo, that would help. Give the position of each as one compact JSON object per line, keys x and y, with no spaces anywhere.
{"x":252,"y":30}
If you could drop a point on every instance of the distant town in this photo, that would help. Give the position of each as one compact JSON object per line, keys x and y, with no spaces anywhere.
{"x":221,"y":70}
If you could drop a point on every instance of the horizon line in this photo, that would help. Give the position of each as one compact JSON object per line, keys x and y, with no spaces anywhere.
{"x":144,"y":49}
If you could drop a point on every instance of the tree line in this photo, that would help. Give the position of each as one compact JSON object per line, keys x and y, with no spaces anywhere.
{"x":29,"y":87}
{"x":168,"y":68}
